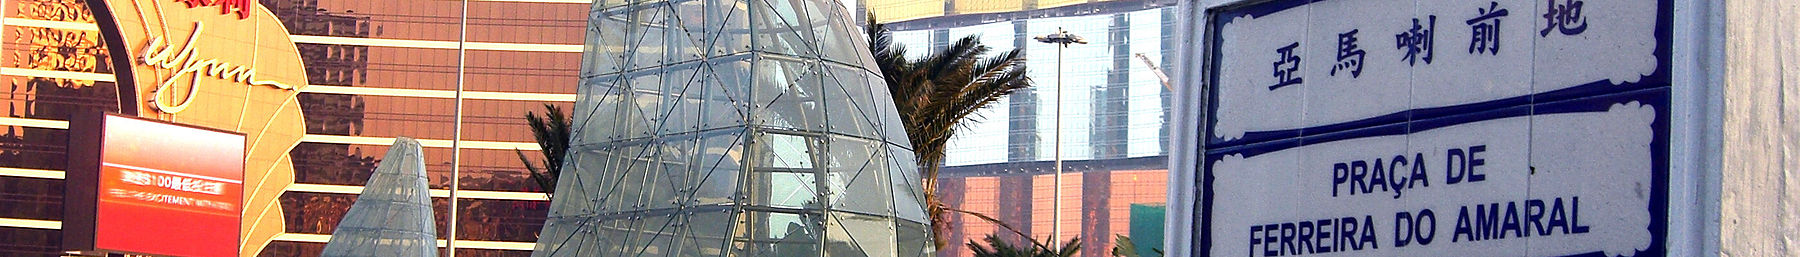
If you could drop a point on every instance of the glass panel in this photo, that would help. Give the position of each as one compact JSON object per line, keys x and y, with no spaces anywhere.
{"x":500,"y":220}
{"x":344,"y":164}
{"x":862,"y":165}
{"x":684,"y":97}
{"x":860,"y":235}
{"x":379,"y":116}
{"x":723,"y":103}
{"x":521,"y":71}
{"x":719,"y":158}
{"x":604,"y":42}
{"x":644,"y":112}
{"x":784,"y":234}
{"x":730,"y":28}
{"x":31,"y":198}
{"x":848,"y":102}
{"x":908,"y":198}
{"x":882,"y":103}
{"x":647,"y":40}
{"x":782,"y":189}
{"x":831,"y":37}
{"x":525,"y":22}
{"x":577,"y":189}
{"x":791,"y":97}
{"x":504,"y":120}
{"x":34,"y":148}
{"x":780,"y":28}
{"x":648,"y":236}
{"x":704,"y":233}
{"x":376,"y":19}
{"x":914,"y":239}
{"x":787,"y":151}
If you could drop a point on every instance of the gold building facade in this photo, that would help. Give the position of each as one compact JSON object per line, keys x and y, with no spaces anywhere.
{"x":458,"y":75}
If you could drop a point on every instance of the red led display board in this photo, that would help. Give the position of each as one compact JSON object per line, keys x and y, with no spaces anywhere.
{"x":149,"y":187}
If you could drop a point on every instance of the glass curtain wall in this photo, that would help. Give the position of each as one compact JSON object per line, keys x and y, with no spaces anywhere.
{"x":734,"y":128}
{"x":1114,"y":127}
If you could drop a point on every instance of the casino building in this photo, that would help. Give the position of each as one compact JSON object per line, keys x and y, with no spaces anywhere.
{"x":457,"y":75}
{"x":460,"y":75}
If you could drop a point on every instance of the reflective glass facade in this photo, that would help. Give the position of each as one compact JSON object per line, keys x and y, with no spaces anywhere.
{"x":734,"y":128}
{"x":378,"y":69}
{"x":1114,"y":127}
{"x":1112,"y":107}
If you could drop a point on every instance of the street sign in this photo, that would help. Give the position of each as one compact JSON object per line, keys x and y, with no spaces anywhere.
{"x":1437,"y":128}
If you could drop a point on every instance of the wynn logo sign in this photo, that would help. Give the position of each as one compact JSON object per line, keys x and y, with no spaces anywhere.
{"x":187,"y":62}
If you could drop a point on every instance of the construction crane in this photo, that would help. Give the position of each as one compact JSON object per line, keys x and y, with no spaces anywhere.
{"x":1160,"y":76}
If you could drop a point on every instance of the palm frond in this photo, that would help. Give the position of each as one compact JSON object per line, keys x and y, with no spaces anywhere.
{"x":543,"y":181}
{"x":999,"y":76}
{"x":946,"y":63}
{"x":552,"y":134}
{"x":937,"y":93}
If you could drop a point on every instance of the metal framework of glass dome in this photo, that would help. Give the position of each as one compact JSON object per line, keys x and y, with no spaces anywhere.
{"x":734,"y":128}
{"x":392,"y":216}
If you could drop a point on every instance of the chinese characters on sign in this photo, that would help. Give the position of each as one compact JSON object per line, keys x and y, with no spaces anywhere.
{"x":1487,"y":29}
{"x":1290,"y":75}
{"x":1347,"y":49}
{"x":240,"y":7}
{"x":1564,"y":18}
{"x":1417,"y":41}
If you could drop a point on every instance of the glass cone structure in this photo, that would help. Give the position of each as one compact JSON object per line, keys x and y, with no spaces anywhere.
{"x":733,"y":128}
{"x":392,"y":216}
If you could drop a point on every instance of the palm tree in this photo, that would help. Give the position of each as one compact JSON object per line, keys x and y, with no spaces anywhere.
{"x":938,"y":92}
{"x":552,"y":134}
{"x":1000,"y":248}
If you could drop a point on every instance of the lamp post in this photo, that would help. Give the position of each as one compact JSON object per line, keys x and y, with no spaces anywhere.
{"x":1062,"y":39}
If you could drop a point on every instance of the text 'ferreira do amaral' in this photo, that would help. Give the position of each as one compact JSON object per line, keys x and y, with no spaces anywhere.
{"x":1474,"y":222}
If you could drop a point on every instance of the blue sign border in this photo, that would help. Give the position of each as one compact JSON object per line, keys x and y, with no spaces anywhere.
{"x":1653,"y":90}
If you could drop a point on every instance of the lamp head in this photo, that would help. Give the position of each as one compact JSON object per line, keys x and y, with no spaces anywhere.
{"x":1061,"y":37}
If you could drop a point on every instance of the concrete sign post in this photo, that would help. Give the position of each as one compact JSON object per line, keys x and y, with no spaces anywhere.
{"x":1434,"y":128}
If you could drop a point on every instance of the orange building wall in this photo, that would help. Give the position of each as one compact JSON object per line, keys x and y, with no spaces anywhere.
{"x":982,"y":195}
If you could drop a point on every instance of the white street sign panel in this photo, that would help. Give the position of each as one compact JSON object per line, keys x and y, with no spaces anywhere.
{"x":1437,"y":128}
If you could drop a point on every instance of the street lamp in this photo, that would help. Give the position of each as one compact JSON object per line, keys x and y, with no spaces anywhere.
{"x":1062,"y":38}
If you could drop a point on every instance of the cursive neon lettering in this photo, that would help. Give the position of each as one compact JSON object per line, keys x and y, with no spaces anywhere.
{"x":186,"y":62}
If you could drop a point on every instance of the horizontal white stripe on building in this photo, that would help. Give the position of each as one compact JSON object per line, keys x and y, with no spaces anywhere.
{"x":98,"y":77}
{"x":429,"y":93}
{"x":30,"y":173}
{"x":29,"y":223}
{"x":440,"y":143}
{"x":436,"y":44}
{"x":35,"y":23}
{"x":35,"y":123}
